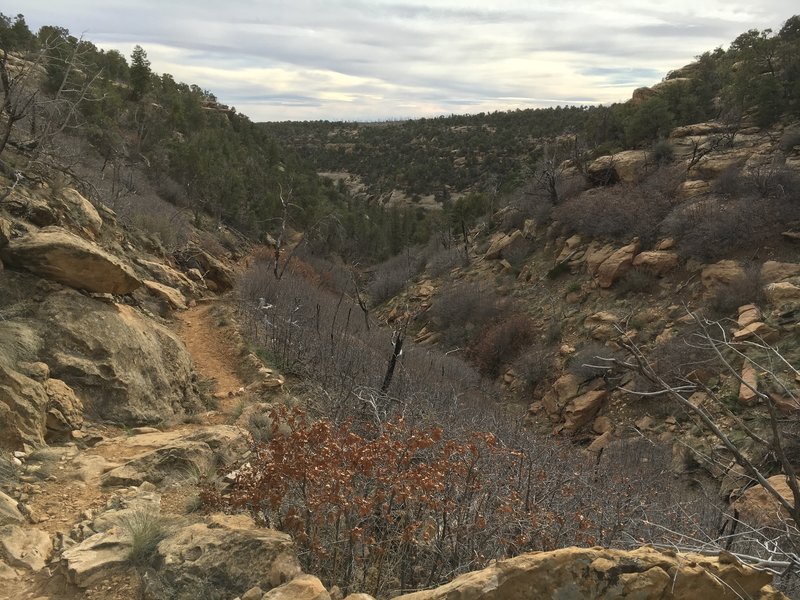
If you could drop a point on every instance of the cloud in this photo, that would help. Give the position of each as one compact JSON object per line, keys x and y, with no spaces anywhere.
{"x":374,"y":59}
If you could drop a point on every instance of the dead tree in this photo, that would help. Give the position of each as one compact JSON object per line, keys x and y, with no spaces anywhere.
{"x":782,"y":376}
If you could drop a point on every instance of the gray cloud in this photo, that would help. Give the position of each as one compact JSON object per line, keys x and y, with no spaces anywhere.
{"x":372,"y":59}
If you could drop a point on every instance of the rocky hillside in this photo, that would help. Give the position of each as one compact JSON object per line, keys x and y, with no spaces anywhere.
{"x":188,"y":415}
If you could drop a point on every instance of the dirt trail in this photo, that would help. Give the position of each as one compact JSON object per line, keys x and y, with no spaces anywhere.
{"x":211,"y":350}
{"x":75,"y":487}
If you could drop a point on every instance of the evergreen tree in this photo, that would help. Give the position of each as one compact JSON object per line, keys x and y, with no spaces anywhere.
{"x":139,"y":73}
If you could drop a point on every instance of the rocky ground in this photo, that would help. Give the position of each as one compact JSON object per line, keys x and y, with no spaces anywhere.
{"x":124,"y":383}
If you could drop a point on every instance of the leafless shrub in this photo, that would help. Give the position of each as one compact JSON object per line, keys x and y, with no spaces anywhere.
{"x":461,"y":310}
{"x":499,"y":344}
{"x":585,"y":363}
{"x":745,"y":289}
{"x":534,"y":366}
{"x":638,"y":280}
{"x":730,"y":182}
{"x":618,"y":212}
{"x":394,"y":274}
{"x":444,"y":260}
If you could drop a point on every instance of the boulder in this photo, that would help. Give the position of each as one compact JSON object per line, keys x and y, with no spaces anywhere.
{"x":179,"y":458}
{"x":8,"y":511}
{"x":81,"y":213}
{"x":125,"y":367}
{"x":23,"y":404}
{"x":570,"y":246}
{"x":228,"y":548}
{"x":212,"y":270}
{"x":563,"y":390}
{"x":757,"y":507}
{"x":748,"y":314}
{"x":721,"y":273}
{"x":25,"y":547}
{"x":658,"y":262}
{"x":166,"y":275}
{"x":600,"y":574}
{"x":616,"y":265}
{"x":304,"y":587}
{"x":782,"y":293}
{"x":54,"y":253}
{"x":96,"y":558}
{"x":596,"y":255}
{"x":693,"y":188}
{"x":749,"y":387}
{"x":505,"y":245}
{"x":168,"y":294}
{"x":64,"y":411}
{"x":583,"y":409}
{"x":626,"y":167}
{"x":756,"y":331}
{"x":773,"y":271}
{"x":5,"y":231}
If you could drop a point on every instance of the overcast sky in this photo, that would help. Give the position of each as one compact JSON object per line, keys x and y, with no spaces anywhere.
{"x":377,"y":59}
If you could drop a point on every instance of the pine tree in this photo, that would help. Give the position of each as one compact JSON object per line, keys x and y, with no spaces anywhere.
{"x":139,"y":72}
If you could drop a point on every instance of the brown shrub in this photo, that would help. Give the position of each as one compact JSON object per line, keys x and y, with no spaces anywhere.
{"x":499,"y":344}
{"x":461,"y":310}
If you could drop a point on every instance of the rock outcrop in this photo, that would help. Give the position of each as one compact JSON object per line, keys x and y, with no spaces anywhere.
{"x":124,"y":366}
{"x":55,"y":253}
{"x":176,"y":458}
{"x":644,"y":574}
{"x":228,"y":548}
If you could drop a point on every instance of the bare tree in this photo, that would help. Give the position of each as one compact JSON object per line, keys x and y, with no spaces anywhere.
{"x":46,"y":115}
{"x":779,"y":547}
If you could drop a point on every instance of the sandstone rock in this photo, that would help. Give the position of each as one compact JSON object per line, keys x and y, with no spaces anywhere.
{"x":616,"y":265}
{"x":23,"y":547}
{"x":596,"y":255}
{"x":23,"y":402}
{"x":627,"y":167}
{"x":665,"y":244}
{"x":721,"y":273}
{"x":601,"y":442}
{"x":95,"y":558}
{"x":570,"y":246}
{"x":166,"y":293}
{"x":81,"y":212}
{"x":304,"y":587}
{"x":168,"y":276}
{"x":748,"y":314}
{"x":254,"y":593}
{"x":5,"y":232}
{"x":54,"y":253}
{"x":749,"y":386}
{"x":658,"y":262}
{"x":359,"y":597}
{"x":756,"y":331}
{"x":64,"y":411}
{"x":505,"y":245}
{"x":8,"y":510}
{"x":583,"y":409}
{"x":756,"y":505}
{"x":782,"y":292}
{"x":600,"y":574}
{"x":177,"y":458}
{"x":124,"y":367}
{"x":211,"y":269}
{"x":602,"y":425}
{"x":712,"y":165}
{"x":228,"y":548}
{"x":31,"y":208}
{"x":564,"y":389}
{"x":693,"y":188}
{"x":773,"y":272}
